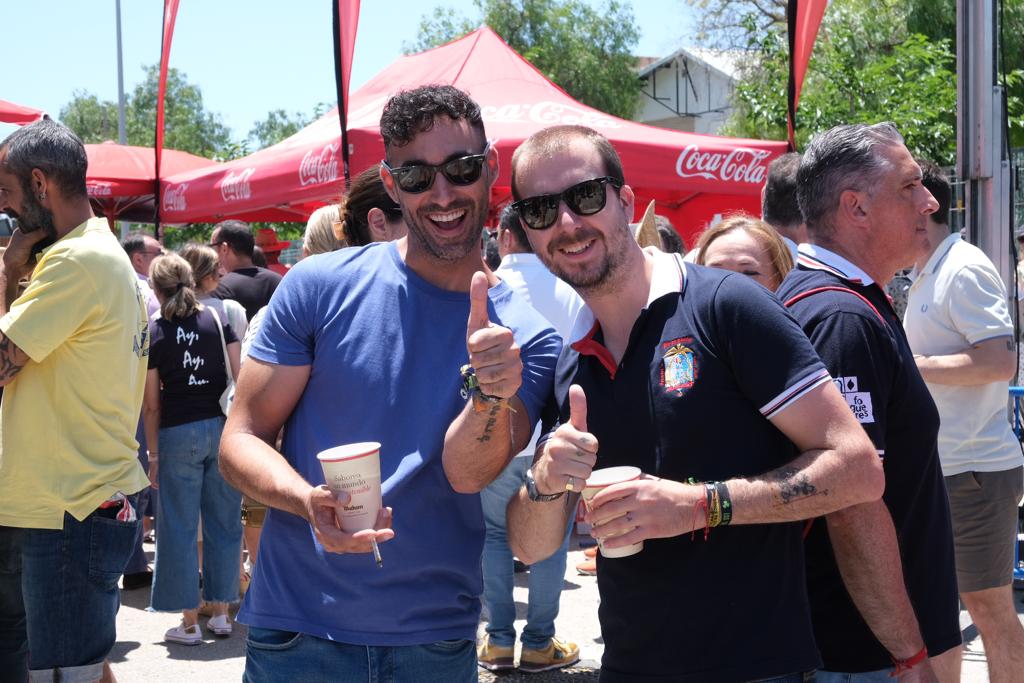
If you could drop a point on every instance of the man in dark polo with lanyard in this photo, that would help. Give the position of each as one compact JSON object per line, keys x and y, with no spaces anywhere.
{"x":861,"y":196}
{"x":700,"y":378}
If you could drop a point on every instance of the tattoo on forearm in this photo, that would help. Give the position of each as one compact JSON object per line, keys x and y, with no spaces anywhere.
{"x":1010,"y":345}
{"x":11,"y":361}
{"x":793,"y":485}
{"x":492,"y":420}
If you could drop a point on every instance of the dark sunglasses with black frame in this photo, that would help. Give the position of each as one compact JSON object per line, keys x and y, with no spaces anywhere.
{"x":417,"y":178}
{"x":584,"y":199}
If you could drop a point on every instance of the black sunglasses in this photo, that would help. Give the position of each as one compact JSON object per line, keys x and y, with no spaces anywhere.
{"x":585,"y":199}
{"x":417,"y":178}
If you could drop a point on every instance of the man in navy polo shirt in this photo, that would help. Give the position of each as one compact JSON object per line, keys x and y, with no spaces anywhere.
{"x":861,"y":196}
{"x":700,"y":378}
{"x":366,"y":344}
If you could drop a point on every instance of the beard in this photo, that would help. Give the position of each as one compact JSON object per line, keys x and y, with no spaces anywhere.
{"x":598,"y":277}
{"x":33,"y":215}
{"x":451,"y":247}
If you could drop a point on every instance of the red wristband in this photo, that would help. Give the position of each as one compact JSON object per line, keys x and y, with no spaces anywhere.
{"x":903,"y":665}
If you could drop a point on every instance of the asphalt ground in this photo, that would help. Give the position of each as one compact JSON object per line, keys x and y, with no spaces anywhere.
{"x":141,"y":654}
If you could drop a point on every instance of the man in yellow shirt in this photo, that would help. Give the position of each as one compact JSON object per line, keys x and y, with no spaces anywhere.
{"x":72,"y":361}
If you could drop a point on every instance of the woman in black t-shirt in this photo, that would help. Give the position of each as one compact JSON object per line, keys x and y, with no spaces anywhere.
{"x":182,"y":415}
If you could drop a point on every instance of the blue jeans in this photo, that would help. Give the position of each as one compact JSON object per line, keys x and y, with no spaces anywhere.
{"x":69,"y":584}
{"x":272,"y":656}
{"x":880,"y":676}
{"x":546,"y":577}
{"x":807,"y":677}
{"x":13,"y":638}
{"x":190,"y":482}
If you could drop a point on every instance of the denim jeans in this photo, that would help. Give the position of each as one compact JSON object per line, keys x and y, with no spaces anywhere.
{"x":69,"y":584}
{"x":13,"y":638}
{"x":272,"y":656}
{"x":190,"y":482}
{"x":806,"y":677}
{"x":545,"y":579}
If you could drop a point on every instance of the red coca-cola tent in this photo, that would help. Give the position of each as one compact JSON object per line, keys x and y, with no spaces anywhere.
{"x":692,"y":177}
{"x":121,"y":179}
{"x":18,"y":114}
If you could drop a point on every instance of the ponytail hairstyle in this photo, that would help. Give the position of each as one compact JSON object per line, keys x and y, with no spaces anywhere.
{"x":366,"y":192}
{"x":170,"y":276}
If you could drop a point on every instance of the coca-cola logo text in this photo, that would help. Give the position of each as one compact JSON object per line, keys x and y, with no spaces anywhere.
{"x":317,"y":169}
{"x":99,"y":189}
{"x":549,"y":114}
{"x":235,"y":187}
{"x":741,"y":165}
{"x":174,"y":198}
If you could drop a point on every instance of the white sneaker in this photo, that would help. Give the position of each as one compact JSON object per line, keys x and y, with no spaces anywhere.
{"x":220,"y":625}
{"x":184,"y":635}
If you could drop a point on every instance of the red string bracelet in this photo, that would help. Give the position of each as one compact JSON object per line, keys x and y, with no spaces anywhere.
{"x":904,"y":665}
{"x":702,"y":502}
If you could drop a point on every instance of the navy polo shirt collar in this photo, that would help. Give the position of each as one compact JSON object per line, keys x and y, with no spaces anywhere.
{"x":667,"y":277}
{"x":817,"y":257}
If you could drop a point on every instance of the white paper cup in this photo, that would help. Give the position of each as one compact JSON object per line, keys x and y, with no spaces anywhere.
{"x":600,"y":479}
{"x":355,"y":469}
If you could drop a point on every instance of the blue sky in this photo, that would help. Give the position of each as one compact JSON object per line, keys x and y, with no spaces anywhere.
{"x":248,"y":56}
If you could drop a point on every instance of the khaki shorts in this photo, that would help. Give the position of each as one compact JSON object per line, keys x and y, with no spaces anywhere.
{"x":983,"y":507}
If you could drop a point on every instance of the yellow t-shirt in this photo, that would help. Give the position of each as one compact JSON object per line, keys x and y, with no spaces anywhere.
{"x":67,"y":422}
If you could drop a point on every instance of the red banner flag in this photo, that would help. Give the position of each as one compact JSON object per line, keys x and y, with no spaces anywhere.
{"x":346,"y":21}
{"x":170,"y":14}
{"x":804,"y":17}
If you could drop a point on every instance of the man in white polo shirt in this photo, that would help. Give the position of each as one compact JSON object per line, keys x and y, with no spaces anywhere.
{"x":958,"y":325}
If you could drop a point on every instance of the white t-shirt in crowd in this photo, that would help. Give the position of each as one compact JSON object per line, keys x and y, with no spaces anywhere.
{"x":230,"y":311}
{"x":552,"y":298}
{"x":956,"y":301}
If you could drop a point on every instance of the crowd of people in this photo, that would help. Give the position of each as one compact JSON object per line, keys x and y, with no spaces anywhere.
{"x":823,"y":481}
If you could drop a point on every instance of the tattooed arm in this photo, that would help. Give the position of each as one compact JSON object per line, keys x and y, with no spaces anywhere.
{"x":837,"y":467}
{"x":992,"y":360}
{"x":478,"y":445}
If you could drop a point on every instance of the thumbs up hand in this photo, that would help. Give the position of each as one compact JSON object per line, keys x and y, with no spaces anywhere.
{"x":570,"y":454}
{"x":493,"y":351}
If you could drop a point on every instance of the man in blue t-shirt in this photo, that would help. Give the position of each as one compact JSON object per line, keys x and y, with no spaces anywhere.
{"x":702,"y":380}
{"x":861,"y":196}
{"x":369,"y":344}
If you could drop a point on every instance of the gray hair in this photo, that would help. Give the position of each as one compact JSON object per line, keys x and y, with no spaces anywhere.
{"x":52,"y":148}
{"x":840,"y":159}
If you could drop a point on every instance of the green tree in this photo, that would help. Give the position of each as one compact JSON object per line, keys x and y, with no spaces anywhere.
{"x":188,"y":126}
{"x":874,"y":60}
{"x":277,"y":126}
{"x":586,"y":51}
{"x":94,"y":120}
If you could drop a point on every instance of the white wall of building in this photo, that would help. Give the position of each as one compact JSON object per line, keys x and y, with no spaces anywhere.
{"x":689,"y":90}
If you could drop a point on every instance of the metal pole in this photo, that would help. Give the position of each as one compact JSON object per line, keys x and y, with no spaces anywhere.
{"x":981,"y":159}
{"x":122,"y":135}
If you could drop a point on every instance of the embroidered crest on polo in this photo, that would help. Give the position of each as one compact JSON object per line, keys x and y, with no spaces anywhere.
{"x":859,"y":401}
{"x":678,"y":365}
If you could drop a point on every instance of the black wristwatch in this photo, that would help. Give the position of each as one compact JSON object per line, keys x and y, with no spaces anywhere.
{"x":535,"y":495}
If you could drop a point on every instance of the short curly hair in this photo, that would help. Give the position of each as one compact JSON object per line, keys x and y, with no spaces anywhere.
{"x":412,"y":112}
